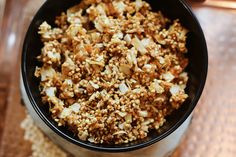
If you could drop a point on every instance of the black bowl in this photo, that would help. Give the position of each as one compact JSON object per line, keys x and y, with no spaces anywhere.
{"x":197,"y":69}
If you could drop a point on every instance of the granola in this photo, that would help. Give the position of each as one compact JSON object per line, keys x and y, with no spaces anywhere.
{"x":112,"y":70}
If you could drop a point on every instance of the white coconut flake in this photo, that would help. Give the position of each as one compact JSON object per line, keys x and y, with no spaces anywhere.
{"x":98,"y":26}
{"x":73,"y":18}
{"x":68,"y":62}
{"x":83,"y":136}
{"x":75,"y":107}
{"x":44,"y":28}
{"x":102,"y":22}
{"x":100,"y":59}
{"x":115,"y":69}
{"x":137,"y":90}
{"x":184,"y":75}
{"x":118,"y":35}
{"x":50,"y":92}
{"x":120,"y":132}
{"x":143,"y":113}
{"x":146,"y":42}
{"x":65,"y":112}
{"x":147,"y":66}
{"x":127,"y":38}
{"x":131,"y":56}
{"x":147,"y":122}
{"x":123,"y":88}
{"x":122,"y":114}
{"x":144,"y":128}
{"x":128,"y":118}
{"x":155,"y":87}
{"x":159,"y":89}
{"x":55,"y":56}
{"x":47,"y":73}
{"x":73,"y":29}
{"x":168,"y":76}
{"x":94,"y":96}
{"x":121,"y":126}
{"x":99,"y":45}
{"x":119,"y":6}
{"x":91,"y":139}
{"x":161,"y":60}
{"x":133,"y":81}
{"x":182,"y":86}
{"x":137,"y":69}
{"x":103,"y":92}
{"x":96,"y":86}
{"x":69,"y":82}
{"x":101,"y":9}
{"x":138,"y":45}
{"x":175,"y":89}
{"x":138,"y":5}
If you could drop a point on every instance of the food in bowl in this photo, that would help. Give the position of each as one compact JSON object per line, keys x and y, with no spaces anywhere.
{"x":112,"y":70}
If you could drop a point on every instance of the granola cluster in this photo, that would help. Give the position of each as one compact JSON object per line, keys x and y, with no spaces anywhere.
{"x":112,"y":70}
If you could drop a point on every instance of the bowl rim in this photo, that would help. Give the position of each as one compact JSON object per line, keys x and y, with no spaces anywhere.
{"x":126,"y":148}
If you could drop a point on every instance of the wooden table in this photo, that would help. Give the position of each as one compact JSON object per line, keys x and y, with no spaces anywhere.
{"x":213,"y":129}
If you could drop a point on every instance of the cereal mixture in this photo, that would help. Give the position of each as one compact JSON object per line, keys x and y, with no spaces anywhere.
{"x":112,"y":70}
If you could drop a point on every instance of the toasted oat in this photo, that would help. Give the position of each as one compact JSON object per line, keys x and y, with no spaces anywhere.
{"x":112,"y":70}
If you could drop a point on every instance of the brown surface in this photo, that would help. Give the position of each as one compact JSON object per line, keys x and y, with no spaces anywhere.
{"x":17,"y":16}
{"x":2,"y":5}
{"x":212,"y":132}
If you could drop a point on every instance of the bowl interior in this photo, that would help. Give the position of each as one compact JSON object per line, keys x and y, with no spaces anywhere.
{"x":197,"y":69}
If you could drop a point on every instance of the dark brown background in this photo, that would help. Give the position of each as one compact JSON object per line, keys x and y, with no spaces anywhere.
{"x":213,"y":130}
